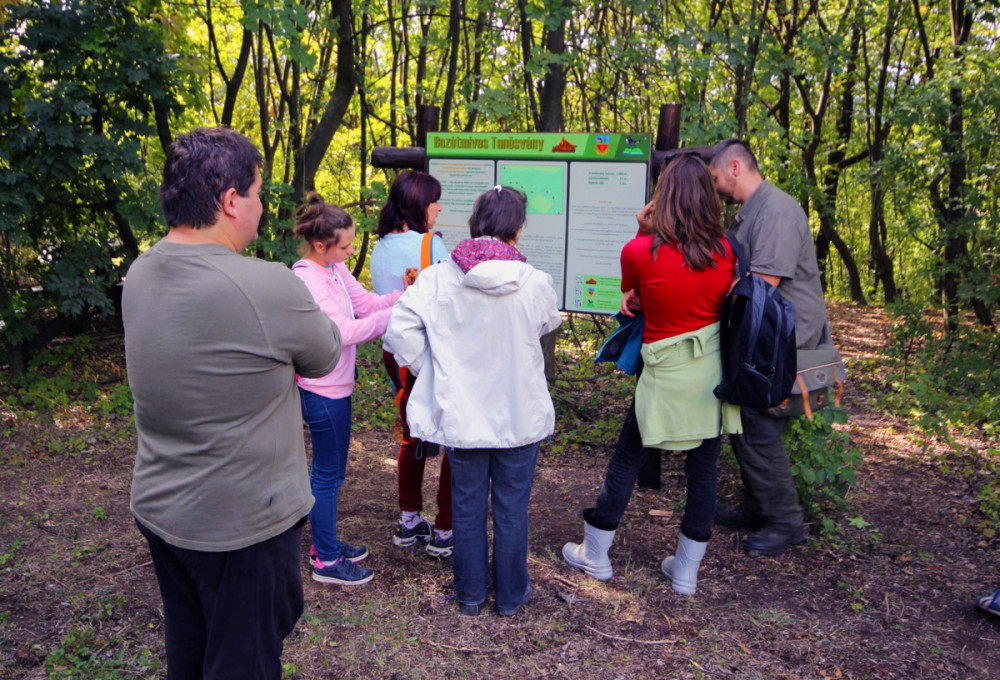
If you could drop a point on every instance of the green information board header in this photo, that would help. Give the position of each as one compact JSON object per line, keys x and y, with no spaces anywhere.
{"x":540,"y":146}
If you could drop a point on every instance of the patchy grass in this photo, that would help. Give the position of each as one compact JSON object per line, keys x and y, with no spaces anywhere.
{"x":884,"y":591}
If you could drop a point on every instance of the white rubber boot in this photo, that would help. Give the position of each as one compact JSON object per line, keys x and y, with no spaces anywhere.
{"x":682,"y":569}
{"x":592,"y":555}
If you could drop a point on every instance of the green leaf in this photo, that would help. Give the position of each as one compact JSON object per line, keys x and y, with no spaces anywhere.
{"x":859,"y":522}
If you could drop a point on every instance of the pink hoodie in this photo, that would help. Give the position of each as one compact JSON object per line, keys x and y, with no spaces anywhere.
{"x":359,"y":315}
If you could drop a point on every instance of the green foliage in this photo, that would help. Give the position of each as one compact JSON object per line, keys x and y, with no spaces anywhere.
{"x":117,"y":400}
{"x":84,"y":653}
{"x":989,"y":492}
{"x":54,"y":378}
{"x":943,"y":383}
{"x":78,"y":84}
{"x":373,"y":400}
{"x":823,"y":462}
{"x":947,"y":385}
{"x":68,"y":373}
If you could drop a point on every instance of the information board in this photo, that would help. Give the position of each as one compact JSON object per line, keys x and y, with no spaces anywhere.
{"x":583,"y":192}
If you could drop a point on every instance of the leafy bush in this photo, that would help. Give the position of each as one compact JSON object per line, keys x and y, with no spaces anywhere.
{"x":70,"y":373}
{"x":78,"y":85}
{"x":84,"y":654}
{"x":823,"y":462}
{"x":946,"y":385}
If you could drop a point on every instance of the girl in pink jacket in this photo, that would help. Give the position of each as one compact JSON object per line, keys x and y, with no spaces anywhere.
{"x":328,"y":233}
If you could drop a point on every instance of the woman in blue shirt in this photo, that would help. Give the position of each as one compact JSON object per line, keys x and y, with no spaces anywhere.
{"x":408,"y":214}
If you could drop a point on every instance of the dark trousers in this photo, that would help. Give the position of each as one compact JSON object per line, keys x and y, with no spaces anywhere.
{"x":769,"y":490}
{"x":413,"y":456}
{"x":226,"y":614}
{"x":700,"y":468}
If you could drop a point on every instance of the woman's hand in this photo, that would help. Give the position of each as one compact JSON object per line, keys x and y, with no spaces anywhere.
{"x":631,"y":303}
{"x":642,"y":217}
{"x":410,"y":277}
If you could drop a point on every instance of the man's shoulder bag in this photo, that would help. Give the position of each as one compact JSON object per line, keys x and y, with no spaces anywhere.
{"x":820,"y":371}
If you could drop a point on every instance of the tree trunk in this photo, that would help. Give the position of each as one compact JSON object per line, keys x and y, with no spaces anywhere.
{"x":952,"y":210}
{"x":526,"y":45}
{"x":477,"y":70}
{"x":550,"y":92}
{"x":17,"y":360}
{"x":454,"y":33}
{"x":232,"y":82}
{"x":308,"y":159}
{"x":881,"y":259}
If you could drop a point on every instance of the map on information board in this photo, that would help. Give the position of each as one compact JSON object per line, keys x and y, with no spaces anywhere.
{"x":544,"y":186}
{"x":583,"y":191}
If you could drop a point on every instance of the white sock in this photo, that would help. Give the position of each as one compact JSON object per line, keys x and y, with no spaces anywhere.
{"x":411,"y":518}
{"x":442,"y":535}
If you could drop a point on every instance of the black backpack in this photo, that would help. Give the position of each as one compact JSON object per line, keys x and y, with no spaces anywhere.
{"x":758,"y":341}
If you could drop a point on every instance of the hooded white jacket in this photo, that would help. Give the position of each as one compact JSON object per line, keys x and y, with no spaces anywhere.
{"x":473,"y":341}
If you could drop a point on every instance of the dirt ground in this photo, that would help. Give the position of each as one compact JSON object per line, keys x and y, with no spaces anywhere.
{"x":887,"y":597}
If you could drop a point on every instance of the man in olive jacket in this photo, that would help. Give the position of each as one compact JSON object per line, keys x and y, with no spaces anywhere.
{"x":213,"y":341}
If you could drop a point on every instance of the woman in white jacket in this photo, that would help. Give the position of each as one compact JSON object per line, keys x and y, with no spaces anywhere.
{"x":469,"y":328}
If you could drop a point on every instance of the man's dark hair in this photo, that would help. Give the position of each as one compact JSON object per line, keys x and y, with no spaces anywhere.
{"x":500,"y":213}
{"x":409,"y":196}
{"x":200,"y":167}
{"x":729,"y":149}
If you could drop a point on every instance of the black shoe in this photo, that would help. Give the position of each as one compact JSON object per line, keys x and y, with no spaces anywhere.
{"x":511,"y":612}
{"x":469,"y":609}
{"x":772,"y":540}
{"x":423,"y":531}
{"x":736,"y":517}
{"x":441,"y":547}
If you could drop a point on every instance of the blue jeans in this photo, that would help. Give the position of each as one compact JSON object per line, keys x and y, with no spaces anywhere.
{"x":329,"y":422}
{"x":505,"y":475}
{"x":623,"y":468}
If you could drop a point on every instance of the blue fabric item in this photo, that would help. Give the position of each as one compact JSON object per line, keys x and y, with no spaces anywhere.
{"x":505,"y":476}
{"x":625,"y":344}
{"x":393,"y":254}
{"x":329,"y":422}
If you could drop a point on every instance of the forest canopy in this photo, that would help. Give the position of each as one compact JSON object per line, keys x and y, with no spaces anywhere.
{"x":879,"y":117}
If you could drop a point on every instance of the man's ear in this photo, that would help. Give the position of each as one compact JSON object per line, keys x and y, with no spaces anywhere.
{"x":228,"y":201}
{"x":736,"y":167}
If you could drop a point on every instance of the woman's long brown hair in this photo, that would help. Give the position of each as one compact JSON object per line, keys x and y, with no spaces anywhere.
{"x":687,"y":213}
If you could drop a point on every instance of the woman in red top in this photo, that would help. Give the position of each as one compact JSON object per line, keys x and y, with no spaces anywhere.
{"x":681,"y":267}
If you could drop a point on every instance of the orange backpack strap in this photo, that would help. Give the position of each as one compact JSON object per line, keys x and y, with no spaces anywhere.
{"x":402,"y":392}
{"x":425,"y":249}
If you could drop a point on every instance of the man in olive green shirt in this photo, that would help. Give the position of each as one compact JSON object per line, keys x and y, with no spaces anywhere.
{"x":774,"y":232}
{"x":213,"y":341}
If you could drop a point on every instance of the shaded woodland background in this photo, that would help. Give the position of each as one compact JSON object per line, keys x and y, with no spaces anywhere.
{"x":880,"y":117}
